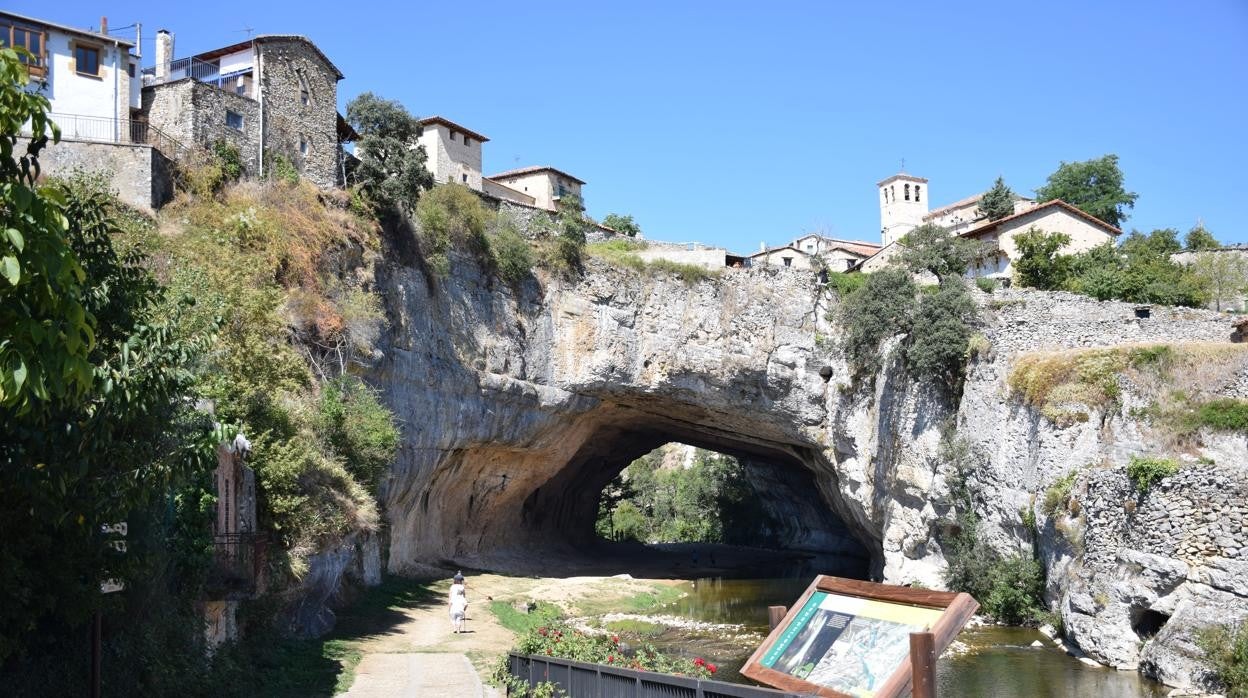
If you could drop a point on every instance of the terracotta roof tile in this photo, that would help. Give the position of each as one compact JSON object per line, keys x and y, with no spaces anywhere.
{"x":974,"y":232}
{"x":534,"y":169}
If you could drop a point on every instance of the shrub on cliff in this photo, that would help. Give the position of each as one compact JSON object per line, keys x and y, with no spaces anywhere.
{"x":513,"y":255}
{"x":941,"y":333}
{"x":882,"y":308}
{"x":1145,"y":471}
{"x":1226,"y":648}
{"x":452,"y":216}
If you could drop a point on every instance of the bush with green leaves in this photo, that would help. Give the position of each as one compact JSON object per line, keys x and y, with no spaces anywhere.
{"x":570,"y":233}
{"x":92,"y":385}
{"x":1040,"y":263}
{"x":1145,"y":471}
{"x":513,"y":254}
{"x":624,"y":225}
{"x":1057,"y":495}
{"x":564,"y":641}
{"x":937,"y":251}
{"x":986,"y":284}
{"x":452,"y":216}
{"x":941,"y":333}
{"x":1226,"y":649}
{"x":882,"y":308}
{"x":359,"y":429}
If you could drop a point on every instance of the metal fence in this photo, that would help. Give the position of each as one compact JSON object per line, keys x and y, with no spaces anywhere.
{"x":583,"y":680}
{"x":177,"y":69}
{"x":236,"y":559}
{"x":105,"y":129}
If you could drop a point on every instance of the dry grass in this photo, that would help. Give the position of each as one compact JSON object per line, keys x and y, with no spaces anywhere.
{"x":1063,"y":385}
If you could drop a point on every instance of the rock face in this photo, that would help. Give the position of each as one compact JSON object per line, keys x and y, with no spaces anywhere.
{"x":519,"y":405}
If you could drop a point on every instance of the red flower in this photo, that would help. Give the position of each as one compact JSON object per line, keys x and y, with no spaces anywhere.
{"x":699,"y":662}
{"x":541,"y":631}
{"x":610,"y":658}
{"x":547,"y":653}
{"x":615,"y":639}
{"x":712,"y":668}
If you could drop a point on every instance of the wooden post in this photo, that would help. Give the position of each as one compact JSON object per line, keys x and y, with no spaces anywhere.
{"x":923,"y":665}
{"x":776,"y":614}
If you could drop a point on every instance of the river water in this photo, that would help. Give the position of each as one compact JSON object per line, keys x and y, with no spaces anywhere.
{"x":999,"y":662}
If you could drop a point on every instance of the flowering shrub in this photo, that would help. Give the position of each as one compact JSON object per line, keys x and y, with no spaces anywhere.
{"x":562,"y":641}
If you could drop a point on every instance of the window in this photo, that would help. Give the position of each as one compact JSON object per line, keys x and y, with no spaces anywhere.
{"x":87,"y":60}
{"x":810,"y":248}
{"x":788,"y":261}
{"x":452,"y":136}
{"x":465,"y":176}
{"x":234,"y":120}
{"x":892,"y":192}
{"x":467,"y":140}
{"x":305,"y":97}
{"x":130,"y":70}
{"x":303,"y":146}
{"x":916,"y":192}
{"x":907,"y":189}
{"x":27,"y":38}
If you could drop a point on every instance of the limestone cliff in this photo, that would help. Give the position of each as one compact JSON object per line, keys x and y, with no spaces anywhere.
{"x":520,"y":404}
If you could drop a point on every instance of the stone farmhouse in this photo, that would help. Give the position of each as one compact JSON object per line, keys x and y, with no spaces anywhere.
{"x":275,"y":95}
{"x":903,"y":207}
{"x":454,"y":155}
{"x":270,"y":96}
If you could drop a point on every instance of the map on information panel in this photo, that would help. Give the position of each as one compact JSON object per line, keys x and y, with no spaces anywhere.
{"x":847,"y":643}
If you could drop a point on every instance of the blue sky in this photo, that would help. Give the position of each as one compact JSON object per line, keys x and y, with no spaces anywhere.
{"x":740,"y":122}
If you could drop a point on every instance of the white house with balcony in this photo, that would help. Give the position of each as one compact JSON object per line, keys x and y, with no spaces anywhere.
{"x":90,"y":78}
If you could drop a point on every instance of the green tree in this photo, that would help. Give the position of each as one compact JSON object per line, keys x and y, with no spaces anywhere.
{"x":571,"y":232}
{"x":1198,"y":238}
{"x":1092,"y":186}
{"x":624,"y":225}
{"x":391,"y":167}
{"x":358,"y":428}
{"x":116,"y":445}
{"x":997,"y":202}
{"x":935,"y":250}
{"x":46,"y":334}
{"x":941,"y":333}
{"x":1223,"y":275}
{"x":1040,"y":263}
{"x":882,"y":308}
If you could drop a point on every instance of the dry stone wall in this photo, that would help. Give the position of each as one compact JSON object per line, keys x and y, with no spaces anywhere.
{"x":305,"y":131}
{"x":136,"y":172}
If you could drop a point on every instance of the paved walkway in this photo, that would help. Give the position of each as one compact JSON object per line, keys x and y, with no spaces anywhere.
{"x":417,"y":675}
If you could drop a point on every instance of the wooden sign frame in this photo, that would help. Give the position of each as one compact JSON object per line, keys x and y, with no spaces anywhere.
{"x":957,"y":609}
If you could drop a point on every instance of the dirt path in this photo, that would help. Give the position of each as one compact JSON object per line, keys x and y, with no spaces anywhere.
{"x":420,"y":656}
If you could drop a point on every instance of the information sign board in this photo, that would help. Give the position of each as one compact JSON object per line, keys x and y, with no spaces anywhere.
{"x":846,"y":637}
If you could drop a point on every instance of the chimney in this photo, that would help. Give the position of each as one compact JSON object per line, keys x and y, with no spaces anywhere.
{"x":103,"y":25}
{"x":762,"y":247}
{"x":164,"y":54}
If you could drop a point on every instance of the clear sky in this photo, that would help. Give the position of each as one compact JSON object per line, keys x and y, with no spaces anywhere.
{"x":740,"y":122}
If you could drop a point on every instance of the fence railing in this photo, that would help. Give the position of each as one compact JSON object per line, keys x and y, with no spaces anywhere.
{"x":584,"y":680}
{"x":179,"y":68}
{"x":236,"y":560}
{"x":105,"y":129}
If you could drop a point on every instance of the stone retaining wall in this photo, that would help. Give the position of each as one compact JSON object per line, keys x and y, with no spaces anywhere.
{"x":139,"y":174}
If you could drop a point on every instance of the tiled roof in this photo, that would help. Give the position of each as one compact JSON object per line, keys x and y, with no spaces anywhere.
{"x":859,"y":247}
{"x":510,"y":174}
{"x":957,"y":204}
{"x":1058,"y":203}
{"x":451,"y":124}
{"x":244,"y":45}
{"x":68,"y":29}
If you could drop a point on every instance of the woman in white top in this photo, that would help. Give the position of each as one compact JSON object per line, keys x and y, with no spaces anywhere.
{"x":459,"y":605}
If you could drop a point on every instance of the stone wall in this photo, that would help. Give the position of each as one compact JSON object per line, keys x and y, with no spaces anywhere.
{"x":136,"y":172}
{"x":195,"y":115}
{"x":307,"y":134}
{"x":1158,"y":566}
{"x":533,"y":218}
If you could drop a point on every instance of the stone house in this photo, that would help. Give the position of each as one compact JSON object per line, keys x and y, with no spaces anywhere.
{"x":453,"y":151}
{"x":1055,"y":216}
{"x":275,"y":95}
{"x":786,"y":256}
{"x":545,"y":184}
{"x":837,"y":255}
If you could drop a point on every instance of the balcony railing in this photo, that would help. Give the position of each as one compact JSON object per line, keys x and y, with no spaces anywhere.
{"x":207,"y":73}
{"x":103,"y":129}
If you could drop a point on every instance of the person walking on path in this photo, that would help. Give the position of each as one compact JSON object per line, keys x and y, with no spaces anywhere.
{"x":458,"y":603}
